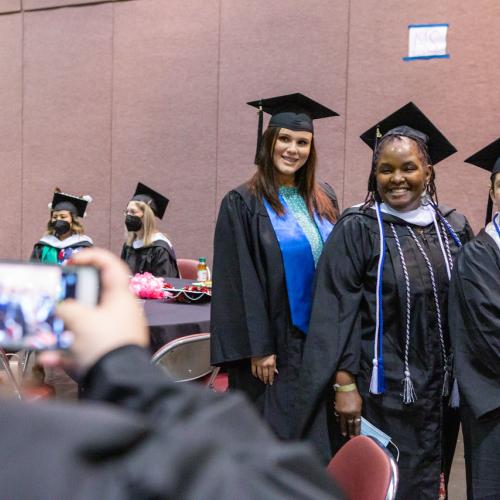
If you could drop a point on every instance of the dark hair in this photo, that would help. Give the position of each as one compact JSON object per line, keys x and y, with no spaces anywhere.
{"x":372,"y":196}
{"x":264,"y":183}
{"x":492,"y":181}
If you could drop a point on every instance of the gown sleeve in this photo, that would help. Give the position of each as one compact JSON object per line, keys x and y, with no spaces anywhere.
{"x":334,"y":339}
{"x":474,"y":318}
{"x":239,"y":316}
{"x":201,"y":445}
{"x":36,"y":253}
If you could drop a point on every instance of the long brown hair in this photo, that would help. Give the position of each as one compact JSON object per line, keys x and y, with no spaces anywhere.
{"x":264,"y":183}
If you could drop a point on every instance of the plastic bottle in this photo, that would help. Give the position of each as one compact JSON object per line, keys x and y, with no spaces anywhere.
{"x":202,"y":275}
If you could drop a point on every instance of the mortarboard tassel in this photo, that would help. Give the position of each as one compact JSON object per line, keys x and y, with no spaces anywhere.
{"x":260,"y":112}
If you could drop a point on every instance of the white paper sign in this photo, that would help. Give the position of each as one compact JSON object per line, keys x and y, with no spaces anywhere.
{"x":427,"y":41}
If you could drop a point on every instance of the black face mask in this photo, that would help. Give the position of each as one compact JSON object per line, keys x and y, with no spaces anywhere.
{"x":133,"y":223}
{"x":60,"y":227}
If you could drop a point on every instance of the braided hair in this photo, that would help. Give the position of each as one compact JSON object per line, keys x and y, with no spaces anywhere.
{"x":372,"y":195}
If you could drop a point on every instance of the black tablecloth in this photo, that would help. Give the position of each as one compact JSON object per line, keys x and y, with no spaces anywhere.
{"x":170,"y":320}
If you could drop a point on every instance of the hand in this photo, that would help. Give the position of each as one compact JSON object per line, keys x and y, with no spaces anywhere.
{"x":264,"y":368}
{"x":115,"y":322}
{"x":348,"y":408}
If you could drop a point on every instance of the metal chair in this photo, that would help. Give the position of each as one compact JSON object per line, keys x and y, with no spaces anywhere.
{"x":187,"y":359}
{"x":364,"y":469}
{"x":188,"y":269}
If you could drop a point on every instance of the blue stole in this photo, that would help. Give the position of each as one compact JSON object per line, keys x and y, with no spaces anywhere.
{"x":298,"y":261}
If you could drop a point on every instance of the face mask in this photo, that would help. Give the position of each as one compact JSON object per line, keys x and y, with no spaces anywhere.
{"x":368,"y":429}
{"x":133,"y":223}
{"x":60,"y":227}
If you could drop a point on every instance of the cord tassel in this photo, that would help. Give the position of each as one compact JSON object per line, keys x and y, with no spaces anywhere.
{"x":455,"y":395}
{"x":409,"y":394}
{"x":374,"y":379}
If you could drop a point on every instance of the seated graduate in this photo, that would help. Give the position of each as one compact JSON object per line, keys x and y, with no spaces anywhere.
{"x":146,"y":249}
{"x":378,"y":343}
{"x":140,"y":435}
{"x":474,"y":316}
{"x":65,"y":234}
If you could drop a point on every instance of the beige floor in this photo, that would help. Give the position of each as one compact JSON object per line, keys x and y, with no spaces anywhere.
{"x":456,"y":486}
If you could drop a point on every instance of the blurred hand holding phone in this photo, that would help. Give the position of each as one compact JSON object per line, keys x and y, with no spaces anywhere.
{"x":29,"y":294}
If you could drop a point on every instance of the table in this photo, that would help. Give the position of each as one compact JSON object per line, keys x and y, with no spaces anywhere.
{"x":170,"y":320}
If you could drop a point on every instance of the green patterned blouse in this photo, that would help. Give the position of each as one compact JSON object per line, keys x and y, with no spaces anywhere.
{"x":297,"y":206}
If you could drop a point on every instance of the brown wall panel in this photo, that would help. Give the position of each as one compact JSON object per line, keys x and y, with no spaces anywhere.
{"x":270,"y":48}
{"x":11,"y":199}
{"x":164,"y":121}
{"x":67,"y":114}
{"x":7,"y":6}
{"x":458,"y":94}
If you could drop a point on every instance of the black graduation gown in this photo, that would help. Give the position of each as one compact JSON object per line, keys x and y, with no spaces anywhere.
{"x":157,"y":259}
{"x":145,"y":437}
{"x":341,"y":337}
{"x":474,"y":314}
{"x":250,"y":315}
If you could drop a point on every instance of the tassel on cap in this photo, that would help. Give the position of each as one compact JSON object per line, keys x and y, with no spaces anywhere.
{"x":260,"y":112}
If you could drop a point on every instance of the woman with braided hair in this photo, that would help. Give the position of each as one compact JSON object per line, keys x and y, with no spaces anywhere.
{"x":378,"y":344}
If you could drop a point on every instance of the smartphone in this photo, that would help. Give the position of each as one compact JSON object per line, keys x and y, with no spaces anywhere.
{"x":29,"y":294}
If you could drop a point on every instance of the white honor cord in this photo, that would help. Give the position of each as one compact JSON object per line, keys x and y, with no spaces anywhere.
{"x":438,"y":231}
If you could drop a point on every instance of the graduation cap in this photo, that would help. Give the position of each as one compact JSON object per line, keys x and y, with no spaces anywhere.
{"x":156,"y":201}
{"x":74,"y":204}
{"x":410,"y":122}
{"x":291,"y":111}
{"x":488,"y":159}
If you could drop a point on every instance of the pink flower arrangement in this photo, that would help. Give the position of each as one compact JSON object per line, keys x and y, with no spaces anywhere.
{"x":147,"y":286}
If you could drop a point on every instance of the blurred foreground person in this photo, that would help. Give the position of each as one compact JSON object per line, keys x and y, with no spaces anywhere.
{"x":475,"y":335}
{"x":140,"y":435}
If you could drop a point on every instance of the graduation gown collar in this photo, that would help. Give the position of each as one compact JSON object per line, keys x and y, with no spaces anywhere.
{"x":157,"y":237}
{"x":421,"y":217}
{"x":492,"y":231}
{"x":73,"y":241}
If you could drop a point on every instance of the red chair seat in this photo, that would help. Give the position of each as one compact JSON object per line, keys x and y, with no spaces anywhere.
{"x":364,"y":470}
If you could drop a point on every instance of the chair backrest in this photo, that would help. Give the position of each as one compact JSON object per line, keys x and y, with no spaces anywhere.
{"x":188,"y":269}
{"x":186,"y":358}
{"x":365,"y":470}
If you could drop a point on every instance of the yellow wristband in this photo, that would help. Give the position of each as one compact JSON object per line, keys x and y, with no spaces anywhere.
{"x":345,"y":388}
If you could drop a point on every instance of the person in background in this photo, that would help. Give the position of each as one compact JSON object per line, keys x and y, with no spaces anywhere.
{"x":269,"y":235}
{"x":138,"y":434}
{"x":474,"y":315}
{"x":65,"y":234}
{"x":146,"y":249}
{"x":378,"y":344}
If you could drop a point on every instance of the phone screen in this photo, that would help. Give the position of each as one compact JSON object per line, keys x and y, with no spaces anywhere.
{"x":29,"y":294}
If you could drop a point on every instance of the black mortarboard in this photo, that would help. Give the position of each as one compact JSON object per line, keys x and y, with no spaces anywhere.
{"x":409,"y":121}
{"x":74,"y":204}
{"x":487,"y":158}
{"x":156,"y":201}
{"x":292,"y":111}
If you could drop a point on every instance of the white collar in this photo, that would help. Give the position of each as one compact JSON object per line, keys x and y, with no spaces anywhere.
{"x":421,"y":216}
{"x":156,"y":237}
{"x":73,"y":240}
{"x":490,"y":229}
